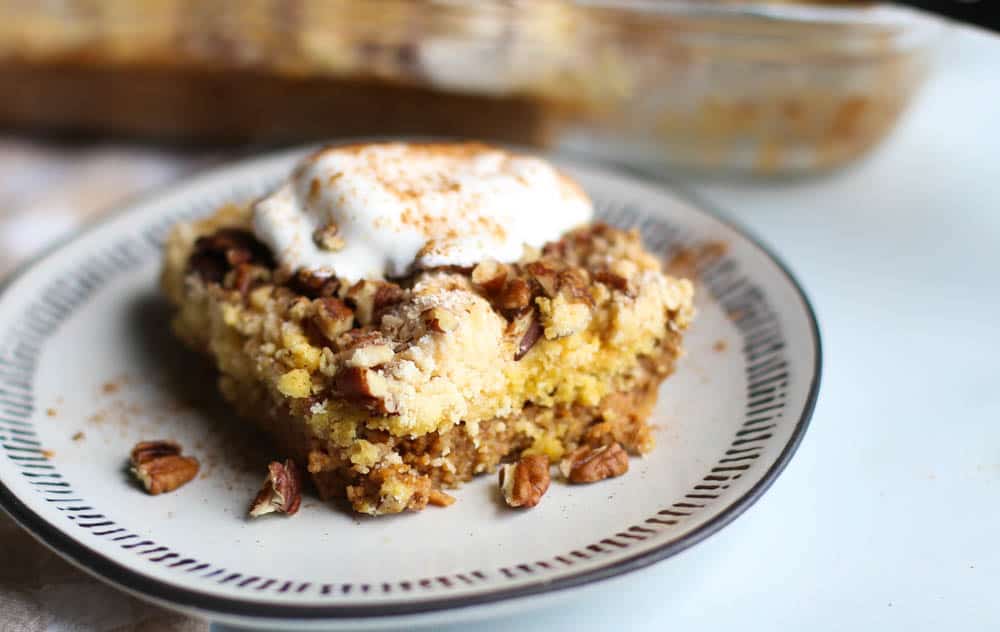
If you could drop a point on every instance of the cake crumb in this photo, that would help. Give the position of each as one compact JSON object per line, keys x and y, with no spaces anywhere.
{"x":48,"y":454}
{"x":51,"y":412}
{"x":109,"y":388}
{"x":720,"y":346}
{"x":78,"y":436}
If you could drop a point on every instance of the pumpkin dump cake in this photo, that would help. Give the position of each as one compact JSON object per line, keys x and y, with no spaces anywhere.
{"x":402,"y":317}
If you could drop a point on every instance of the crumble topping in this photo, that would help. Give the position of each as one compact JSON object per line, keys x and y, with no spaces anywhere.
{"x":442,"y":349}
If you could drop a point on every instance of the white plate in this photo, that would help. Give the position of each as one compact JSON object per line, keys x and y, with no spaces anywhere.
{"x":85,"y":348}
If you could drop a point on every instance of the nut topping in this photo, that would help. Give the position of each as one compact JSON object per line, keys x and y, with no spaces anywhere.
{"x":516,"y":295}
{"x":282,"y":490}
{"x":524,"y":483}
{"x":332,"y":317}
{"x":440,"y":320}
{"x":224,"y":249}
{"x":546,"y":274}
{"x":587,"y":464}
{"x":613,"y":281}
{"x":370,"y":298}
{"x":369,"y":355}
{"x":490,"y":275}
{"x":365,"y":386}
{"x":574,"y":285}
{"x":555,"y":279}
{"x":246,"y":276}
{"x":160,"y":467}
{"x":533,"y":330}
{"x":313,"y":285}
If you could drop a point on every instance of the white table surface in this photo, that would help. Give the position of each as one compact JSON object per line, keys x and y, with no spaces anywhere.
{"x":888,"y":517}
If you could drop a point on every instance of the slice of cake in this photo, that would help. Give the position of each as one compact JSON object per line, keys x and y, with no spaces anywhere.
{"x":402,"y":317}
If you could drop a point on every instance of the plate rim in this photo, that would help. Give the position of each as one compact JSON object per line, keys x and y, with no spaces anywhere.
{"x":150,"y":588}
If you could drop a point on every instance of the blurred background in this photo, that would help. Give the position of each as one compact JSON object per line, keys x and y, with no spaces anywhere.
{"x":101,"y":100}
{"x":758,"y":87}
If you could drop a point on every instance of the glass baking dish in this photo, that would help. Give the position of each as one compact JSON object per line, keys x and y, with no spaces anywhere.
{"x":750,"y":87}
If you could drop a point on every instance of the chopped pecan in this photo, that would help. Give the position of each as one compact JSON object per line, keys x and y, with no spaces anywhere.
{"x":516,"y":295}
{"x":238,"y":244}
{"x":328,"y":237}
{"x":546,"y":273}
{"x":387,"y":295}
{"x":224,"y":249}
{"x":440,"y":320}
{"x":364,"y":386}
{"x":282,"y":490}
{"x":613,"y":281}
{"x":370,"y":355}
{"x":587,"y":464}
{"x":313,"y":285}
{"x":555,"y":249}
{"x":524,"y":483}
{"x":247,"y":276}
{"x":371,"y":298}
{"x":531,"y":329}
{"x":332,"y":317}
{"x":555,"y":278}
{"x":160,"y":467}
{"x":574,"y":285}
{"x":490,"y":275}
{"x":358,"y":337}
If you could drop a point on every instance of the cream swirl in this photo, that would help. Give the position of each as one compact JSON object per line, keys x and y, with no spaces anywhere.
{"x":386,"y":209}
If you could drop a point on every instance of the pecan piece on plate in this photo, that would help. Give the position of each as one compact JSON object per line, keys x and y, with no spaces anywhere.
{"x":587,"y":464}
{"x":524,"y":483}
{"x":160,"y":467}
{"x":282,"y":490}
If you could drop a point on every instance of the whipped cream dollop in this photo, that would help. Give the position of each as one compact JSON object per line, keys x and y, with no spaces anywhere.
{"x":387,"y":209}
